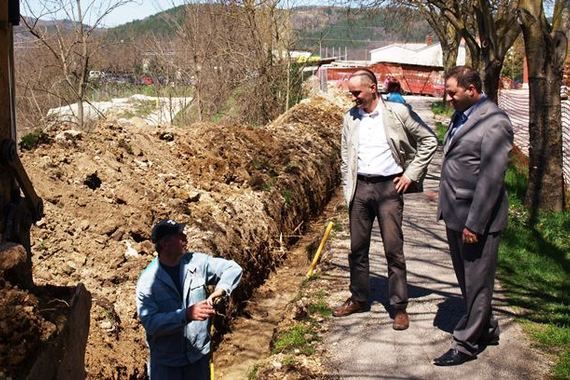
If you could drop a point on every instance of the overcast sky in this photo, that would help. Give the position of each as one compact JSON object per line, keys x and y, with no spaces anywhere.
{"x":138,"y":9}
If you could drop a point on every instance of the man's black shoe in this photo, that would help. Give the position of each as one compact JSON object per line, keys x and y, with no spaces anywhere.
{"x":453,"y":357}
{"x":494,"y":341}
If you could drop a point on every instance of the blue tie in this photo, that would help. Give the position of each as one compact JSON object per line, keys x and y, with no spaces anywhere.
{"x":459,"y":119}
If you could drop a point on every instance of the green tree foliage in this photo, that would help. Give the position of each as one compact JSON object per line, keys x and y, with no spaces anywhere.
{"x":364,"y":29}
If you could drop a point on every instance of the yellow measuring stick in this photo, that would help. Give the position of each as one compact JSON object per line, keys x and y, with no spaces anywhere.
{"x":211,"y":353}
{"x":321,"y":246}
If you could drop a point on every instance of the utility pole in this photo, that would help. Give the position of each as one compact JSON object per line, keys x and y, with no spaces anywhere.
{"x":18,"y":214}
{"x":7,"y":132}
{"x":288,"y":93}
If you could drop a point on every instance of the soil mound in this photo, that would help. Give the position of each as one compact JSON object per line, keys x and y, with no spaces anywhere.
{"x":246,"y":193}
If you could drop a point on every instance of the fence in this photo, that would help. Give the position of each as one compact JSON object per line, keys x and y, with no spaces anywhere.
{"x":515,"y":104}
{"x":414,"y":79}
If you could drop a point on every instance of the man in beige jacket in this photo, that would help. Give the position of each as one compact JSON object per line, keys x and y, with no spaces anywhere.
{"x":385,"y":150}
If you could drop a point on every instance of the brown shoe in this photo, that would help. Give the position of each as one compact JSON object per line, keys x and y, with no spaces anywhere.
{"x":401,"y":320}
{"x":349,"y":306}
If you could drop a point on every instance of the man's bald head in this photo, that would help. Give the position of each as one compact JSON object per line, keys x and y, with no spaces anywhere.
{"x":363,"y":86}
{"x":366,"y":76}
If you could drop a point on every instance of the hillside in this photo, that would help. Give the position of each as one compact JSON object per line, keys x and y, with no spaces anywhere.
{"x":315,"y":27}
{"x":21,"y":33}
{"x":355,"y":28}
{"x":160,"y":24}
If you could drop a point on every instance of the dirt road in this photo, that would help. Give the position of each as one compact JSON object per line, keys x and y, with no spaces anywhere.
{"x":365,"y":345}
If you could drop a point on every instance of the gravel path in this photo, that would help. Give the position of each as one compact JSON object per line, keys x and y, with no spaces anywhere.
{"x":364,"y":346}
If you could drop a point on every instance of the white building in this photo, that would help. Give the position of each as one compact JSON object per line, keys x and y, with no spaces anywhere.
{"x":422,"y":54}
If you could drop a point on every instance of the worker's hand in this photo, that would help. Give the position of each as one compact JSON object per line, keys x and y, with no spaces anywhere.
{"x":200,"y":311}
{"x":219,"y":292}
{"x":469,"y":237}
{"x":402,"y":183}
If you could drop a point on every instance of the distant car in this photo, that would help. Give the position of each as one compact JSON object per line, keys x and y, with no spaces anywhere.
{"x":120,"y":78}
{"x":95,"y":74}
{"x":146,"y":80}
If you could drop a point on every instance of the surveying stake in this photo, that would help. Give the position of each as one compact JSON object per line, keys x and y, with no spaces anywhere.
{"x":321,"y":246}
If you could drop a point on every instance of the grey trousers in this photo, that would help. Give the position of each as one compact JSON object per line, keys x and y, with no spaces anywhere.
{"x":377,"y":200}
{"x":475,"y":266}
{"x":199,"y":370}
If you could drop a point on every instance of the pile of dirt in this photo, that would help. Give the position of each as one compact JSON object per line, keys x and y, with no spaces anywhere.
{"x":30,"y":322}
{"x":22,"y":328}
{"x":246,"y":193}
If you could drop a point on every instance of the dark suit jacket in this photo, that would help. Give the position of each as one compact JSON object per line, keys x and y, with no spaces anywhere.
{"x":471,"y":190}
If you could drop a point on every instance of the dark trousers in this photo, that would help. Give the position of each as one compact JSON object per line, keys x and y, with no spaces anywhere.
{"x":199,"y":370}
{"x":475,"y":266}
{"x":377,"y":200}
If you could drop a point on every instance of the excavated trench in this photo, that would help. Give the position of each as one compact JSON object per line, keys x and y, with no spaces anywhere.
{"x":253,"y":331}
{"x":247,"y":194}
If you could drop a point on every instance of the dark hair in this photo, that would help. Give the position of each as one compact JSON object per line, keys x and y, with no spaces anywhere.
{"x":366,"y":73}
{"x":465,"y":77}
{"x":393,"y":85}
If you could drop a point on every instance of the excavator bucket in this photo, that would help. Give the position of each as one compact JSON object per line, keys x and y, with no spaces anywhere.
{"x":61,"y":356}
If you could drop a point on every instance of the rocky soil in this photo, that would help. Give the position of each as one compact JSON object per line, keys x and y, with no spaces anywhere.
{"x":246,"y":193}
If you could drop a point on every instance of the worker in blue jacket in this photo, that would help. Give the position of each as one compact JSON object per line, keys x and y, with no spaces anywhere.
{"x":174,"y":307}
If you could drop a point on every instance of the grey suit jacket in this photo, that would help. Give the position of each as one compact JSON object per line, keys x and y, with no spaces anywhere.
{"x":411,"y":141}
{"x":471,"y":189}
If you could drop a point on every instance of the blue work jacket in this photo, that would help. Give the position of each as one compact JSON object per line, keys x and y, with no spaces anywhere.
{"x":173,"y":340}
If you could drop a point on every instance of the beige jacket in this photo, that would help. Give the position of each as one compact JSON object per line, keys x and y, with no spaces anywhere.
{"x":412,"y":142}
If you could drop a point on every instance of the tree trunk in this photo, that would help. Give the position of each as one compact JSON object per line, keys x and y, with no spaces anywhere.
{"x":491,"y":61}
{"x":449,"y":58}
{"x":490,"y":76}
{"x":80,"y":116}
{"x":545,"y":53}
{"x":473,"y":58}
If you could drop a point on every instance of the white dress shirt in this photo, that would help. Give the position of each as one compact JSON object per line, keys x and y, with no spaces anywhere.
{"x":374,"y":154}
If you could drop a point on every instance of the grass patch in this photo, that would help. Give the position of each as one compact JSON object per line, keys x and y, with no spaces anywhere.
{"x":319,"y":306}
{"x":187,"y":116}
{"x":534,"y":267}
{"x":287,"y":196}
{"x":302,"y":336}
{"x":337,"y":225}
{"x":441,"y":108}
{"x":108,"y":91}
{"x":297,"y":337}
{"x":141,"y":108}
{"x":252,"y":373}
{"x":290,"y":360}
{"x":440,"y":131}
{"x":34,"y":139}
{"x":146,"y":107}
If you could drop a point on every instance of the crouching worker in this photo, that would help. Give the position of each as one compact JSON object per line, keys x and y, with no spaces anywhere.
{"x":173,"y":305}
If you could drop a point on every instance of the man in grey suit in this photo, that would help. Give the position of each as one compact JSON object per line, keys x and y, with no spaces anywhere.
{"x":473,"y":204}
{"x":385,"y":149}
